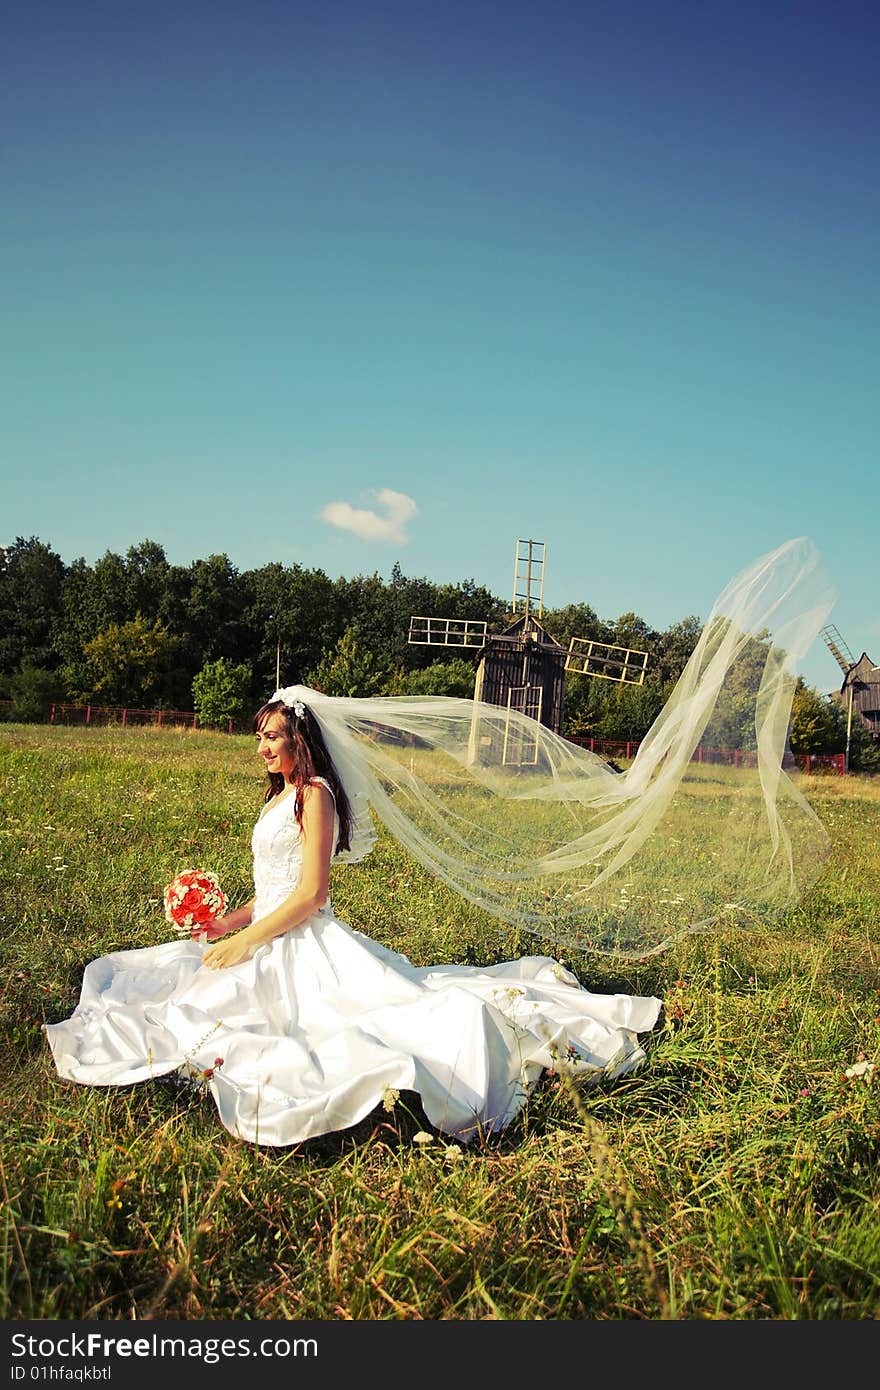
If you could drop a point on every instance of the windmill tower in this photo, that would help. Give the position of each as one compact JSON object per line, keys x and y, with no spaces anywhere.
{"x":860,"y":691}
{"x":523,"y":667}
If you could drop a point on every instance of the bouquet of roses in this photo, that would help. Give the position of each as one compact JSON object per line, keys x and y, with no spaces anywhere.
{"x":192,"y":900}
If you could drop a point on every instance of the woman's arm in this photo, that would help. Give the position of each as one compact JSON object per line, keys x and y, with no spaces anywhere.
{"x":318,"y":826}
{"x":229,"y":921}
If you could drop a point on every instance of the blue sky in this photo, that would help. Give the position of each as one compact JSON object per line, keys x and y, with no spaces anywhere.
{"x":602,"y":275}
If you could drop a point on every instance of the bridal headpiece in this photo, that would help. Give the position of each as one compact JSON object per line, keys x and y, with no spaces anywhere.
{"x":289,"y":698}
{"x":542,"y":834}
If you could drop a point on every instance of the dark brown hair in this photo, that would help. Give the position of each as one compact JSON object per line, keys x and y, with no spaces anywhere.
{"x":310,"y":759}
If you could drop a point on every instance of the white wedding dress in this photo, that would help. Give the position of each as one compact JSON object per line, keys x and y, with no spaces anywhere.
{"x":317,"y":1028}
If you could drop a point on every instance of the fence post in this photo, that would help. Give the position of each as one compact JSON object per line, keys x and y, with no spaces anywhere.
{"x":124,"y":713}
{"x":229,"y":727}
{"x":195,"y":717}
{"x":52,"y":715}
{"x":700,"y":753}
{"x":88,"y":714}
{"x":158,"y":719}
{"x":627,"y":747}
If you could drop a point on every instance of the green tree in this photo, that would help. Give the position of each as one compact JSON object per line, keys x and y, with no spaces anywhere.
{"x":93,"y":598}
{"x":127,"y":663}
{"x":818,"y":723}
{"x":672,"y":650}
{"x":222,"y":691}
{"x":291,"y":613}
{"x":32,"y":689}
{"x":215,"y":612}
{"x":352,"y":668}
{"x":453,"y":677}
{"x":146,"y":574}
{"x":629,"y":630}
{"x":31,"y":577}
{"x":864,"y":749}
{"x":575,"y":620}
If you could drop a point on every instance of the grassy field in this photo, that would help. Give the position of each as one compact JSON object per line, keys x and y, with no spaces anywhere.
{"x":735,"y":1175}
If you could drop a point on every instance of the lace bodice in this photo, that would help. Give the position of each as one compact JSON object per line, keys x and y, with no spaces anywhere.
{"x":277,"y":851}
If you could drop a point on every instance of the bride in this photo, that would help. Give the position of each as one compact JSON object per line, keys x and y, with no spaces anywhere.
{"x":300,"y":1025}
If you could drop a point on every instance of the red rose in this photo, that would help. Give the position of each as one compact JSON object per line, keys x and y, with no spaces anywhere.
{"x":203,"y":913}
{"x":192,"y":899}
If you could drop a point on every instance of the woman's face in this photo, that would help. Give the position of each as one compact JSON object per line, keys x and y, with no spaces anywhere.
{"x":274,"y":745}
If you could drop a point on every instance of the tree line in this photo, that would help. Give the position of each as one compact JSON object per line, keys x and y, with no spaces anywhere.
{"x":137,"y":631}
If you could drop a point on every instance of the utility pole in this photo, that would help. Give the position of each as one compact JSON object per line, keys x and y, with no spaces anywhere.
{"x":277,"y":653}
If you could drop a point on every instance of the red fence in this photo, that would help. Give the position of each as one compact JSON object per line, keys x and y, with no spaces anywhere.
{"x":726,"y":757}
{"x":125,"y":717}
{"x":606,"y":748}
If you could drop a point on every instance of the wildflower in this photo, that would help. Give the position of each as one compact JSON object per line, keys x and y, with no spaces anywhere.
{"x":390,"y":1097}
{"x":218,"y":1061}
{"x":423,"y":1138}
{"x":804,"y":1091}
{"x":114,"y":1202}
{"x":452,"y":1153}
{"x":862,"y":1068}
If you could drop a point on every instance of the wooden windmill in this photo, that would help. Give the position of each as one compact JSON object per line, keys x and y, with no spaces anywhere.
{"x":860,"y":690}
{"x":523,"y":667}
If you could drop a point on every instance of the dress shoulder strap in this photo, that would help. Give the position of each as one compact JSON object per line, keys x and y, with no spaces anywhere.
{"x":322,"y":782}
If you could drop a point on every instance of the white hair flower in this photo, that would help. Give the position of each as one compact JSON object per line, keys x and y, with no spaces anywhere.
{"x":289,"y":698}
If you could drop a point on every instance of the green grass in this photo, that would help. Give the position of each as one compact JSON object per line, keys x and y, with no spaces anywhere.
{"x":734,"y":1175}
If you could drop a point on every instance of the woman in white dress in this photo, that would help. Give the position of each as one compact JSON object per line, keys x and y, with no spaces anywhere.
{"x":299,"y":1025}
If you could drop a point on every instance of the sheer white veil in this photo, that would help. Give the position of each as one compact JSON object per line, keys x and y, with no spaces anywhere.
{"x":553,"y":840}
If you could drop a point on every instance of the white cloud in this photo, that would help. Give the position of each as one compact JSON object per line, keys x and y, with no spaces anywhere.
{"x":370,"y":525}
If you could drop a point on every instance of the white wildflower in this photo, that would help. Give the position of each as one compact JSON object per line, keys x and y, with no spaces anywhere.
{"x":865,"y":1069}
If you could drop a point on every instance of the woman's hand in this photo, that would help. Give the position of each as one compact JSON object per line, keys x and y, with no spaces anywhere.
{"x":229,"y":952}
{"x":210,"y":930}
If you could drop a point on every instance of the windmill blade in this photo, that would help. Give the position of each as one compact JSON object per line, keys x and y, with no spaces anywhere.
{"x":528,"y":577}
{"x":447,"y":632}
{"x":837,"y":647}
{"x":520,"y":747}
{"x":606,"y":661}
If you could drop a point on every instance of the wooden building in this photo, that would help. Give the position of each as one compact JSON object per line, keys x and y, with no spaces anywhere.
{"x":523,"y":669}
{"x":861,"y":684}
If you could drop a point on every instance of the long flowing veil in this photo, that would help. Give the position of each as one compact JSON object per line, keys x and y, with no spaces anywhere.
{"x":544,"y":835}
